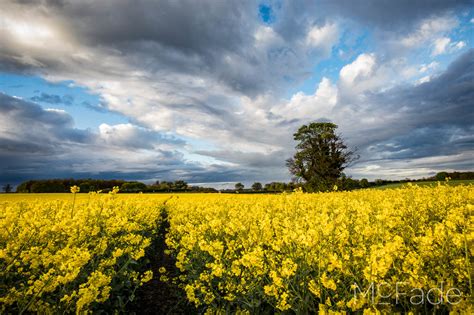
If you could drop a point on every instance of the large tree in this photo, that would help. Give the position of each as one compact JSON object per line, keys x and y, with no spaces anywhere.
{"x":320,"y":156}
{"x":257,"y":186}
{"x":239,"y":186}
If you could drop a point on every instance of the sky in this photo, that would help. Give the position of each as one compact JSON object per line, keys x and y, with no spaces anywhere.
{"x":212,"y":91}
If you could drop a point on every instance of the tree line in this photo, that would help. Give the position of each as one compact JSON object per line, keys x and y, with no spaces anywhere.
{"x":348,"y":183}
{"x":88,"y":185}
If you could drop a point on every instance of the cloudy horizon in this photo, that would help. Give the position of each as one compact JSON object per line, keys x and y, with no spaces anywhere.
{"x":211,"y":92}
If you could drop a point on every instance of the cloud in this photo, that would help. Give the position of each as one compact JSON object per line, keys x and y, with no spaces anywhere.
{"x":362,"y":68}
{"x":42,"y":143}
{"x":427,"y":67}
{"x":323,"y":37}
{"x":423,"y":120}
{"x":302,"y":106}
{"x":428,"y":29}
{"x":33,"y":127}
{"x":213,"y":72}
{"x":368,"y":73}
{"x":197,"y":44}
{"x":53,"y":99}
{"x":390,"y":15}
{"x":444,"y":45}
{"x":134,"y":137}
{"x":416,"y":168}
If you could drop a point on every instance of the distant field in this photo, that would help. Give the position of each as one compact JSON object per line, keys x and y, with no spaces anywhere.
{"x":428,"y":183}
{"x":69,"y":197}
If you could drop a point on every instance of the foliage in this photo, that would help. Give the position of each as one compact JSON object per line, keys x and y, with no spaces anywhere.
{"x":320,"y":156}
{"x":239,"y":186}
{"x":133,"y":187}
{"x":453,"y":175}
{"x":62,"y":185}
{"x":280,"y":187}
{"x":166,"y":186}
{"x":364,"y":183}
{"x":257,"y":186}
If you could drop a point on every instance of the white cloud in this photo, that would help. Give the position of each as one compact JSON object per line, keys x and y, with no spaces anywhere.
{"x":444,"y":45}
{"x":460,"y":45}
{"x":318,"y":105}
{"x":427,"y":67}
{"x":427,"y":30}
{"x":440,"y":46}
{"x":266,"y":37}
{"x":56,"y":110}
{"x":361,"y":69}
{"x":423,"y":80}
{"x":368,"y":73}
{"x":323,"y":37}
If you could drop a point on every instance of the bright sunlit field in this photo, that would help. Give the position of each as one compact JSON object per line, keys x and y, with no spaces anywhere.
{"x":290,"y":252}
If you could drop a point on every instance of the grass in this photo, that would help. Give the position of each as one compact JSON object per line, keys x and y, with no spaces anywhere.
{"x":428,"y":183}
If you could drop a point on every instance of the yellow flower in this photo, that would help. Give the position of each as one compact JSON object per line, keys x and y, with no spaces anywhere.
{"x":147,"y":276}
{"x":75,"y":189}
{"x":328,"y":282}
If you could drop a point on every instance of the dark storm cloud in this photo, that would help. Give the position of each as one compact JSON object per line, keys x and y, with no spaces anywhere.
{"x":209,"y":39}
{"x":448,"y":98}
{"x":387,"y":15}
{"x":181,"y":36}
{"x":400,"y":15}
{"x":27,"y":120}
{"x":434,"y":118}
{"x":41,"y":143}
{"x":188,"y":26}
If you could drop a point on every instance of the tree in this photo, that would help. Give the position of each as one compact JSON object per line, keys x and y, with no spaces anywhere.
{"x":239,"y":186}
{"x":132,"y":187}
{"x":320,"y":156}
{"x":7,"y":188}
{"x":441,"y":176}
{"x":180,"y":185}
{"x":256,"y":186}
{"x":364,"y":183}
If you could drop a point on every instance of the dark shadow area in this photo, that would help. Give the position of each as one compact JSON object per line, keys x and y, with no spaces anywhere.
{"x":155,"y":296}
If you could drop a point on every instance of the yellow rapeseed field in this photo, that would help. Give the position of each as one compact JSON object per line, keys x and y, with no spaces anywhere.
{"x":71,"y":255}
{"x":400,"y":250}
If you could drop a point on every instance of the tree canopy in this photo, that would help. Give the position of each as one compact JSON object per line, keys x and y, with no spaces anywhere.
{"x":320,"y":157}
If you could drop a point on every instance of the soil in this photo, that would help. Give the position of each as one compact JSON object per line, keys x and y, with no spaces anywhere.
{"x":155,"y":296}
